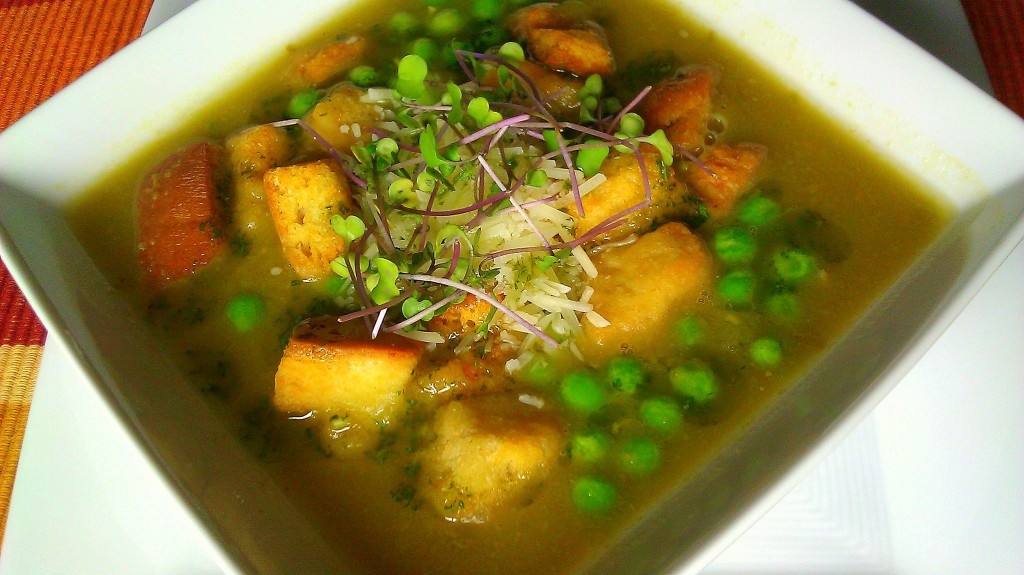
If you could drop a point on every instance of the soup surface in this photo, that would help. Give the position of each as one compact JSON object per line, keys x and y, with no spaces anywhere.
{"x":477,"y":281}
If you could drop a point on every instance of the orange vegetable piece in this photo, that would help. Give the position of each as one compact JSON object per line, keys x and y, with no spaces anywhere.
{"x":581,"y":52}
{"x":681,"y":107}
{"x":733,"y":172}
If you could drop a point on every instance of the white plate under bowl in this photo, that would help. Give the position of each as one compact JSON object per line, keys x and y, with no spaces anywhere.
{"x":878,"y":84}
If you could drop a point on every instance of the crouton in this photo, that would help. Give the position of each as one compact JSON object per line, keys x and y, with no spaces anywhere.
{"x":489,"y":453}
{"x":560,"y":92}
{"x":343,"y":118}
{"x":624,"y":189}
{"x":462,"y":376}
{"x":335,"y":368}
{"x":179,"y":219}
{"x":251,"y":152}
{"x":330,"y":62}
{"x":733,"y":172}
{"x":682,"y":107}
{"x":302,"y":199}
{"x":640,"y":287}
{"x":462,"y":317}
{"x":543,"y":15}
{"x":578,"y":51}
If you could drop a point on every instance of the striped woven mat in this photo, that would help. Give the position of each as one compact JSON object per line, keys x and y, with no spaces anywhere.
{"x":45,"y":44}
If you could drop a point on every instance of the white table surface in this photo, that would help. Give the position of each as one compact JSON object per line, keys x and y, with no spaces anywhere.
{"x":932,"y":483}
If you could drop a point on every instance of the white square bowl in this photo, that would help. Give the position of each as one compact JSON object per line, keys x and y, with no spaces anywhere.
{"x":888,"y":92}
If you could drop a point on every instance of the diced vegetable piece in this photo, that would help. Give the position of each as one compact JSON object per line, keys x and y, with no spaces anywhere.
{"x":302,"y":199}
{"x":560,"y":91}
{"x":734,"y":171}
{"x":335,"y":367}
{"x":542,"y":15}
{"x":486,"y":456}
{"x":179,"y":220}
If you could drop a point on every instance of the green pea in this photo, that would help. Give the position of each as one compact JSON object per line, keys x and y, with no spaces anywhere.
{"x":594,"y":495}
{"x":302,"y":102}
{"x":538,"y":371}
{"x":486,"y":9}
{"x":364,"y":76}
{"x":582,"y":391}
{"x":793,"y":265}
{"x":734,"y":245}
{"x":639,"y":456}
{"x":446,"y":23}
{"x":757,"y":211}
{"x":661,"y":414}
{"x":488,"y":37}
{"x":425,"y":48}
{"x":404,"y":24}
{"x":245,"y":311}
{"x":766,"y":352}
{"x":737,"y":287}
{"x":625,"y":373}
{"x":785,"y":305}
{"x":589,"y":447}
{"x":695,"y":381}
{"x":689,"y":330}
{"x":435,"y":2}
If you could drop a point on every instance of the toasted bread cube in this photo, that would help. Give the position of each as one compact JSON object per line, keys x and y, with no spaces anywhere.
{"x":178,"y":215}
{"x":543,"y":15}
{"x":302,"y":199}
{"x":462,"y":317}
{"x":336,"y":368}
{"x":640,"y":287}
{"x":560,"y":92}
{"x":681,"y":107}
{"x":343,"y":118}
{"x":733,"y":173}
{"x":330,"y":62}
{"x":251,"y":152}
{"x":624,"y":189}
{"x":490,"y":452}
{"x":578,"y":51}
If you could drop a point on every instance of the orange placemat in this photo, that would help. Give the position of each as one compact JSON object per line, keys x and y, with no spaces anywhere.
{"x":44,"y":45}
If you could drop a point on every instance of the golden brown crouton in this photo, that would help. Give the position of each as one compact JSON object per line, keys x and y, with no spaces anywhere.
{"x":733,"y":172}
{"x":543,"y":15}
{"x":180,"y":226}
{"x":330,"y":62}
{"x":579,"y":51}
{"x":336,"y":368}
{"x":251,"y":152}
{"x":640,"y":286}
{"x":560,"y":92}
{"x":343,"y":118}
{"x":625,"y":189}
{"x":462,"y":317}
{"x":302,"y":199}
{"x":489,"y":452}
{"x":681,"y":107}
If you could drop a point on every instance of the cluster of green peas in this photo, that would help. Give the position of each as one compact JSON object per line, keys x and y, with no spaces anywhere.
{"x":624,"y":379}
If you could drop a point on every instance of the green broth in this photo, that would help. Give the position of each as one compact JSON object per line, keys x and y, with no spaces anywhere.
{"x":359,"y":502}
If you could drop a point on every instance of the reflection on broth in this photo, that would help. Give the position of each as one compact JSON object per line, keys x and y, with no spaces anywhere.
{"x":477,"y":280}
